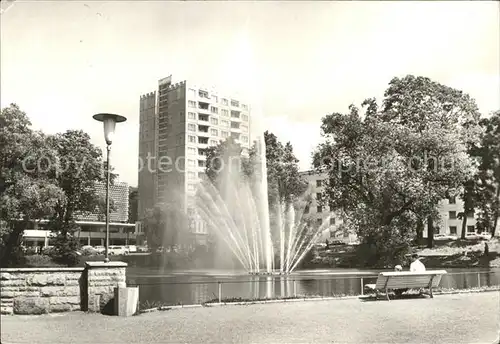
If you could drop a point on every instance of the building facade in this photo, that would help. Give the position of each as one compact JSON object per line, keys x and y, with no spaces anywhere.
{"x":449,"y":209}
{"x":148,"y":131}
{"x":119,"y":196}
{"x":92,"y":227}
{"x":186,"y":120}
{"x":322,"y":214}
{"x":450,"y":223}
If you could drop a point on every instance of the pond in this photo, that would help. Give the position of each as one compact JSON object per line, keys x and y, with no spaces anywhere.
{"x":197,"y":286}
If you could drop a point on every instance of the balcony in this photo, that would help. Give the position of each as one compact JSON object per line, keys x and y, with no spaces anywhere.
{"x":203,"y":128}
{"x":203,"y":94}
{"x":202,"y":105}
{"x":203,"y":140}
{"x":202,"y":117}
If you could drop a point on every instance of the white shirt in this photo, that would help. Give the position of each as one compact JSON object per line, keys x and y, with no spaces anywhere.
{"x":417,"y":266}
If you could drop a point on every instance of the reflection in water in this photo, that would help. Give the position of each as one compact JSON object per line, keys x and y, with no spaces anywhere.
{"x":188,"y":289}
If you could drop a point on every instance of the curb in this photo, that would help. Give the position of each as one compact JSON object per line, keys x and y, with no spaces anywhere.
{"x":167,"y":308}
{"x":257,"y":302}
{"x":449,"y":292}
{"x":243,"y":303}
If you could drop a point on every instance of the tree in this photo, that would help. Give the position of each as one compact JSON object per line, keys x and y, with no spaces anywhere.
{"x":487,"y":179}
{"x":422,"y":105}
{"x":283,"y":178}
{"x":226,"y":161}
{"x":284,"y":181}
{"x":133,"y":204}
{"x":77,"y":168}
{"x":154,"y":227}
{"x":26,"y":194}
{"x":469,"y":198}
{"x":389,"y":167}
{"x":165,"y":226}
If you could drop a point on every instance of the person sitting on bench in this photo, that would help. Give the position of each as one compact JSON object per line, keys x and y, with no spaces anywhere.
{"x":397,"y":268}
{"x":399,"y":292}
{"x":416,"y":265}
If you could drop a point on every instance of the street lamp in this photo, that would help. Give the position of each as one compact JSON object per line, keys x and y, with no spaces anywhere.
{"x":109,"y":121}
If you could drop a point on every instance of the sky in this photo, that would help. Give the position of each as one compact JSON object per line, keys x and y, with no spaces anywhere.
{"x":64,"y":61}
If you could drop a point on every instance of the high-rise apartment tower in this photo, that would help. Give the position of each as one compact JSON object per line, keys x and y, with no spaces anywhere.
{"x":178,"y":123}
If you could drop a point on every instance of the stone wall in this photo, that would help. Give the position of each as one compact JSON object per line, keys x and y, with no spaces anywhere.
{"x":48,"y":290}
{"x":102,"y":278}
{"x":40,"y":290}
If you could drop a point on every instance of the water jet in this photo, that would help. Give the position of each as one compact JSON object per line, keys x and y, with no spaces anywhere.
{"x":236,"y":209}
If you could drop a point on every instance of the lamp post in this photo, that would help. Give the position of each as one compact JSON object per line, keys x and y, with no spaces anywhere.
{"x":109,"y":121}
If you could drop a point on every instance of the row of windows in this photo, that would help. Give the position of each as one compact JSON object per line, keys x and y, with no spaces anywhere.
{"x":453,"y":214}
{"x":319,"y":209}
{"x":203,"y":151}
{"x":195,"y":139}
{"x":215,"y":121}
{"x":319,"y":222}
{"x":453,"y":230}
{"x":194,"y":163}
{"x":214,"y":132}
{"x":194,"y":151}
{"x":451,"y":200}
{"x":215,"y":110}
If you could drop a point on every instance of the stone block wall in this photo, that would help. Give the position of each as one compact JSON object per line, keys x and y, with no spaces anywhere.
{"x":102,"y":279}
{"x":40,"y":290}
{"x":48,"y":290}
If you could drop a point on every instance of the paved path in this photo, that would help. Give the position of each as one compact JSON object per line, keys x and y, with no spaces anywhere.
{"x":469,"y":318}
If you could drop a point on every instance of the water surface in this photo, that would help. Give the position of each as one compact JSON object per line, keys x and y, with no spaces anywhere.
{"x":171,"y":287}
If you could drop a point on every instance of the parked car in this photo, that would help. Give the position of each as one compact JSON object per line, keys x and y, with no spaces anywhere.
{"x":472,"y":236}
{"x":142,"y":249}
{"x":100,"y":249}
{"x":336,"y":242}
{"x":118,"y":250}
{"x":88,"y":250}
{"x":131,"y":248}
{"x":442,"y":237}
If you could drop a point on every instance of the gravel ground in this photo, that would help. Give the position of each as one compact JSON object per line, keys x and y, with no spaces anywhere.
{"x":470,"y":318}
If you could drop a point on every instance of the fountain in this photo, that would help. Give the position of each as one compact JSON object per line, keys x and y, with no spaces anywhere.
{"x":236,"y":209}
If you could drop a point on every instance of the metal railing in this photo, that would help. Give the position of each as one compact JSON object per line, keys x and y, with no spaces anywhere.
{"x":168,"y":292}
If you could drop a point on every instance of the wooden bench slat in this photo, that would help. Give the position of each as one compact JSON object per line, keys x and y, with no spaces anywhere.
{"x":395,"y":281}
{"x":407,"y":280}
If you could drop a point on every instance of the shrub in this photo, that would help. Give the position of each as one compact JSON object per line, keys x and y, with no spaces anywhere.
{"x":39,"y":261}
{"x":65,"y":245}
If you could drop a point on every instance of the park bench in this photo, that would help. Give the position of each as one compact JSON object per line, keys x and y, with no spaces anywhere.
{"x":387,"y":281}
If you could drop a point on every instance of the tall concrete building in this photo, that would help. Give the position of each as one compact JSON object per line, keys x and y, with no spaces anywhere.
{"x":178,"y":123}
{"x":148,"y":132}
